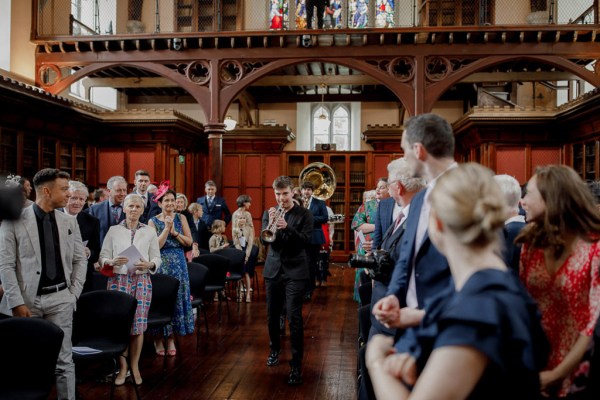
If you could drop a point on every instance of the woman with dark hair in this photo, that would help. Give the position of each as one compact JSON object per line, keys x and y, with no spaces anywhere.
{"x":244,"y":202}
{"x":173,"y":235}
{"x":560,"y":266}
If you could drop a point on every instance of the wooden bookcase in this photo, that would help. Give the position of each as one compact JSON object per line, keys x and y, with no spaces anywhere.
{"x":584,"y":158}
{"x":208,"y":15}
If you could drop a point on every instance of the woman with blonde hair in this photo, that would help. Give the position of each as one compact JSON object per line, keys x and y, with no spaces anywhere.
{"x":135,"y":282}
{"x":560,"y":267}
{"x":243,"y":239}
{"x":481,"y":340}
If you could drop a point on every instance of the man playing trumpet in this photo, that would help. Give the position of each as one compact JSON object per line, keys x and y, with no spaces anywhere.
{"x":286,"y":272}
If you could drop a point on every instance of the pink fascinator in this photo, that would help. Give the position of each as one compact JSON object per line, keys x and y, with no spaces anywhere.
{"x":162,"y":189}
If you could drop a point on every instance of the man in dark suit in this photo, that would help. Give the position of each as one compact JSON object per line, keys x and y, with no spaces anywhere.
{"x":383,"y":220}
{"x":286,"y":273}
{"x":213,"y":206}
{"x":141,"y":182}
{"x":42,"y":267}
{"x":110,"y":212}
{"x":402,"y":188}
{"x":89,"y":226}
{"x":421,"y":271}
{"x":320,"y":5}
{"x":320,"y":216}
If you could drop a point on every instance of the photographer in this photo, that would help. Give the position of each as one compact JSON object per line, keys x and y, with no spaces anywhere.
{"x":402,"y":187}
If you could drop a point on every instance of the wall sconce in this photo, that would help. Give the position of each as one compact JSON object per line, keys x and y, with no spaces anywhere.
{"x":230,"y":123}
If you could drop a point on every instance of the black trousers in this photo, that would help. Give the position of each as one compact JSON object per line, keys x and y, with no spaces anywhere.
{"x":310,"y":4}
{"x":313,"y":251}
{"x":282,"y":290}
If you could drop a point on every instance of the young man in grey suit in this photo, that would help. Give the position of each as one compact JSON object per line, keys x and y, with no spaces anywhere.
{"x":286,"y":272}
{"x":43,"y":266}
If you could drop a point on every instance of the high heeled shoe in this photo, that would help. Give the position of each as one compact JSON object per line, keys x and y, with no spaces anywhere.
{"x":248,"y":299}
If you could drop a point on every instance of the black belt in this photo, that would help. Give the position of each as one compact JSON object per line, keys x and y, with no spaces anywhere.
{"x":54,"y":288}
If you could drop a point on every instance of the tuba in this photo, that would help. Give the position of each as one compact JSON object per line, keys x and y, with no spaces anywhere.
{"x":322,"y":176}
{"x":268,"y":234}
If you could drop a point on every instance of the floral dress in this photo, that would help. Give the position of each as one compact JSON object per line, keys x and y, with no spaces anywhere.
{"x":569,"y":299}
{"x":365,"y":215}
{"x":174,"y":264}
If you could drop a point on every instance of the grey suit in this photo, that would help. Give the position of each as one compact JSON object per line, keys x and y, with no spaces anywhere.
{"x":20,"y":271}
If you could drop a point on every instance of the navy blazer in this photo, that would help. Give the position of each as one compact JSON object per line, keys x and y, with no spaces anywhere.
{"x":218,"y":210}
{"x":103,"y":213}
{"x":320,"y":216}
{"x":511,"y":253}
{"x":383,"y":219}
{"x":432,"y":274}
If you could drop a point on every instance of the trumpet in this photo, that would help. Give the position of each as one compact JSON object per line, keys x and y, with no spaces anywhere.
{"x":268,"y":234}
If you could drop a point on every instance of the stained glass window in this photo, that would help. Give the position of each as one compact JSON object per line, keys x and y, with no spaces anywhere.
{"x":358,"y":13}
{"x":384,"y":14}
{"x":278,"y":15}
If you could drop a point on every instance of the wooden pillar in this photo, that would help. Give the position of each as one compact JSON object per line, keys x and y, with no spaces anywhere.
{"x":419,"y":85}
{"x":215,"y":152}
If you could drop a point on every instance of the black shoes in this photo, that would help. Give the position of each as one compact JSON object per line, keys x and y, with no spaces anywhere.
{"x":295,"y":376}
{"x":273,"y":358}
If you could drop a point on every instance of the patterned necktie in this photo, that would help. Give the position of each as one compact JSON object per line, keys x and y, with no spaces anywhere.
{"x":49,"y":247}
{"x":210,"y":201}
{"x":400,"y":216}
{"x":115,"y":212}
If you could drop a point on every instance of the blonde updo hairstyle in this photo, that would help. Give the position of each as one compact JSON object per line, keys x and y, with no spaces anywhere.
{"x":470,"y":204}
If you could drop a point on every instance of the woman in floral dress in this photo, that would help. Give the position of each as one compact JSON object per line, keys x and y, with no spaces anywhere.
{"x":364,"y":221}
{"x":173,"y":235}
{"x":560,"y":266}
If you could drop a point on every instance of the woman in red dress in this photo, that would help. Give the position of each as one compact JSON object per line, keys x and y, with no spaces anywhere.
{"x":560,"y":262}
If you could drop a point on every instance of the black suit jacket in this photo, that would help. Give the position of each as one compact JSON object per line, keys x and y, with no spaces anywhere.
{"x":89,"y":226}
{"x":200,"y":235}
{"x":288,"y":252}
{"x":218,"y":210}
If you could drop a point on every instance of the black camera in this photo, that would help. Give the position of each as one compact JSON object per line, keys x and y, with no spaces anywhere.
{"x":379,"y":264}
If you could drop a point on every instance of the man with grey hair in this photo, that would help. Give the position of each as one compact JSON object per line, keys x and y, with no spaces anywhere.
{"x":515,"y":222}
{"x":110,"y":212}
{"x":402,"y":187}
{"x":89,"y":226}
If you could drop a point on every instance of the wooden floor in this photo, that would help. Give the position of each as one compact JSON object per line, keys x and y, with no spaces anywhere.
{"x":230,"y":363}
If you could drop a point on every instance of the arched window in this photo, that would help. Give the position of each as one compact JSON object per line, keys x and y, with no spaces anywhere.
{"x":331,"y":124}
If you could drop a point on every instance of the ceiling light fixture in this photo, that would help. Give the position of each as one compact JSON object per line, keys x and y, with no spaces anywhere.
{"x":230,"y":123}
{"x":323,"y":122}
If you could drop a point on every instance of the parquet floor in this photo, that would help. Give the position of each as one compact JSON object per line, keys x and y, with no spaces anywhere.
{"x":230,"y":363}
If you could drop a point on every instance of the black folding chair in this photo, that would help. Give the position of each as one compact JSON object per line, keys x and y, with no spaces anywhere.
{"x":103,"y":322}
{"x":198,"y":274}
{"x":235,"y":271}
{"x":162,"y":306}
{"x":30,"y":348}
{"x":215,"y":282}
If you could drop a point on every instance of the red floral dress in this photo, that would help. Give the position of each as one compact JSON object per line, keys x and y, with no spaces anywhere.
{"x":569,"y":300}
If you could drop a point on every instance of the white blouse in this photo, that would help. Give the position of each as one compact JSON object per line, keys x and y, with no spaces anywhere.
{"x":118,"y":238}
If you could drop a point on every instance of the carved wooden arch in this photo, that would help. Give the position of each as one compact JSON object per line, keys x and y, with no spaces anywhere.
{"x":198,"y":92}
{"x":383,"y":73}
{"x":435,"y":90}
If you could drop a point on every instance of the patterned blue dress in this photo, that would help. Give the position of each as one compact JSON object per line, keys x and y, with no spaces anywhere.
{"x":174,"y":264}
